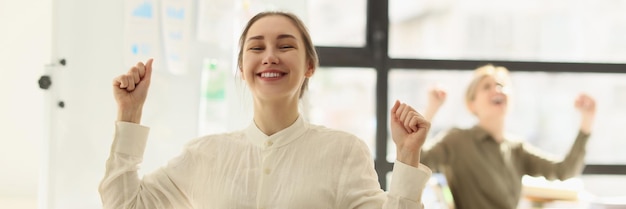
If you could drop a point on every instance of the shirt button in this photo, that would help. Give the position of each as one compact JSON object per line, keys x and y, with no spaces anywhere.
{"x":270,"y":143}
{"x":267,"y":171}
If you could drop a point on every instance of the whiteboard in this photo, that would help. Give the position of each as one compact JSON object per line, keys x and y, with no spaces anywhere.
{"x":89,"y":35}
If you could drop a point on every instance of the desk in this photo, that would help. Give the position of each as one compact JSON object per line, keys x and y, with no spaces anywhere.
{"x":585,"y":200}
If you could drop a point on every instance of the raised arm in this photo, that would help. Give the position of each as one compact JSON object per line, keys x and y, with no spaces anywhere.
{"x":121,"y":187}
{"x":436,"y":98}
{"x":537,"y":163}
{"x":408,"y":131}
{"x":130,"y":91}
{"x":360,"y":187}
{"x":586,"y":105}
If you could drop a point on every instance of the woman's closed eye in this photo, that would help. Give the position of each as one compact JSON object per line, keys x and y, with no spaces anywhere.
{"x":256,"y":48}
{"x":260,"y":48}
{"x":487,"y":86}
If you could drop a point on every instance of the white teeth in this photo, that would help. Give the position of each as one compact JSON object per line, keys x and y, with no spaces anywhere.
{"x":497,"y":99}
{"x":270,"y":75}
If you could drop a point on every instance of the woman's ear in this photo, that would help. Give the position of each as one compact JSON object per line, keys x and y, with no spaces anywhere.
{"x":241,"y":74}
{"x":471,"y":107}
{"x":309,"y":71}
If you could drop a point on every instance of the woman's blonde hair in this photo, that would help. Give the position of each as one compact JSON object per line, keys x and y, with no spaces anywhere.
{"x":500,"y":73}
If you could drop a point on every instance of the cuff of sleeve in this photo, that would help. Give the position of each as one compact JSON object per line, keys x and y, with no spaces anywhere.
{"x":582,"y":134}
{"x":408,"y":182}
{"x":130,"y":138}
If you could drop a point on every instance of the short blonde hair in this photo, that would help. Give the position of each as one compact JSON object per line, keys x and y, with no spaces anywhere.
{"x":499,"y":72}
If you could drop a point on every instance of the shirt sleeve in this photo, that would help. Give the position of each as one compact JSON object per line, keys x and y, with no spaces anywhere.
{"x":122,"y":188}
{"x":537,"y":163}
{"x":407,"y":185}
{"x":359,"y":186}
{"x":437,"y":153}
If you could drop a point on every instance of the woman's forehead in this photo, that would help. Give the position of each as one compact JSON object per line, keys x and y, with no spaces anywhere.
{"x":272,"y":26}
{"x":497,"y":78}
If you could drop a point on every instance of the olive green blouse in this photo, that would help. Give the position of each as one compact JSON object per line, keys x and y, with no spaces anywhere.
{"x":484,"y":174}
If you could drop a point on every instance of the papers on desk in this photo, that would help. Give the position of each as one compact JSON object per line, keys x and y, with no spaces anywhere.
{"x":570,"y":192}
{"x":539,"y":189}
{"x":608,"y":203}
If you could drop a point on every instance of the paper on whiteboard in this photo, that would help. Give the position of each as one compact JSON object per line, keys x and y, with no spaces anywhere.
{"x":141,"y":31}
{"x":176,"y":31}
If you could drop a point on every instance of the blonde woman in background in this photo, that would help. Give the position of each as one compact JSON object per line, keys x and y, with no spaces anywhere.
{"x":483,"y":165}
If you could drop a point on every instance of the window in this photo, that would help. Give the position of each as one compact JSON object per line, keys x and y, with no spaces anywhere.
{"x":344,"y":99}
{"x":330,"y":23}
{"x":337,"y":23}
{"x":570,"y":31}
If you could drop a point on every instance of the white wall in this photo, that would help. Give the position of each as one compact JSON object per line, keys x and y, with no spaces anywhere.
{"x":24,"y":49}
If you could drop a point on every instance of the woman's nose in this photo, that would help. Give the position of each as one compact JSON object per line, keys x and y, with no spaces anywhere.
{"x":503,"y":89}
{"x":270,"y":58}
{"x":499,"y":88}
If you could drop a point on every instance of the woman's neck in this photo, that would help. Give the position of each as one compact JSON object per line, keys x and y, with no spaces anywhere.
{"x":273,"y":116}
{"x":495,"y":128}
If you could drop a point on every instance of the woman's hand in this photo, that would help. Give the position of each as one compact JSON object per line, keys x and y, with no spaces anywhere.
{"x":408,"y":130}
{"x":436,"y":98}
{"x":586,"y":105}
{"x":130,"y":91}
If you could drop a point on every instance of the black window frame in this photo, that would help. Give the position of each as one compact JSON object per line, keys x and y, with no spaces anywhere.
{"x":375,"y":55}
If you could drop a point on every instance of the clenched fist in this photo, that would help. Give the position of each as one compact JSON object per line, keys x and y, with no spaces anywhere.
{"x":130,"y":91}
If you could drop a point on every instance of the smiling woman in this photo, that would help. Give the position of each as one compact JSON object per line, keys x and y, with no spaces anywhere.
{"x":484,"y":164}
{"x":274,"y":61}
{"x":288,"y":42}
{"x":278,"y":161}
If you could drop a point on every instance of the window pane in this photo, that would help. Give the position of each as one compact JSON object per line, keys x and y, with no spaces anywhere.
{"x":519,"y":30}
{"x":328,"y":21}
{"x":344,"y":99}
{"x":542,"y":110}
{"x":331,"y":24}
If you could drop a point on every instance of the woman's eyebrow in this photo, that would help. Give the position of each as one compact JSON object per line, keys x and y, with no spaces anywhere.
{"x":281,"y":36}
{"x":259,"y":37}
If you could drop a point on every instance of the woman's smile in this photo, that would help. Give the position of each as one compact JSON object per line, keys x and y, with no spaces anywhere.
{"x":271,"y":75}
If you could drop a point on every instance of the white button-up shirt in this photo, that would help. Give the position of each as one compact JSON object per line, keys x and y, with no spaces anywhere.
{"x":302,"y":166}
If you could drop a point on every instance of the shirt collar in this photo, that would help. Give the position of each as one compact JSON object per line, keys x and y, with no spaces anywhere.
{"x":480,"y":134}
{"x":283,"y":137}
